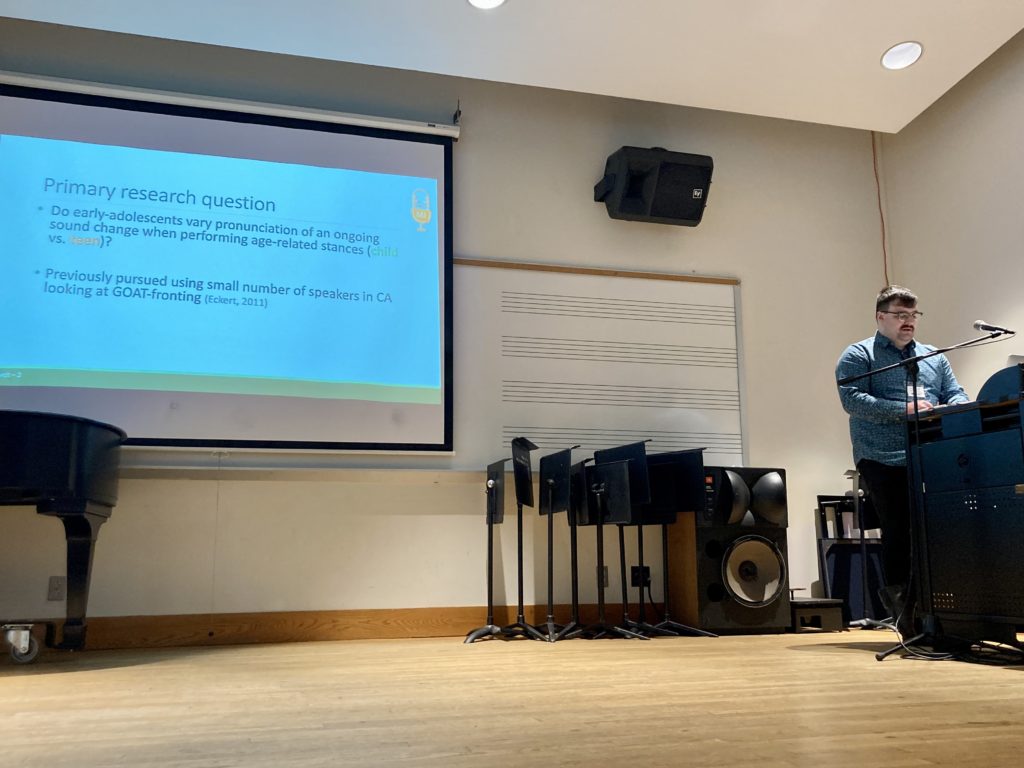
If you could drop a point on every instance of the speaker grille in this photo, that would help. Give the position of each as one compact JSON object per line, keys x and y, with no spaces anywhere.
{"x":681,"y":191}
{"x":974,"y":543}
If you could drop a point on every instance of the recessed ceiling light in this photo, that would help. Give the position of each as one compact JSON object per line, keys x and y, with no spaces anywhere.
{"x":902,"y":55}
{"x":486,"y":4}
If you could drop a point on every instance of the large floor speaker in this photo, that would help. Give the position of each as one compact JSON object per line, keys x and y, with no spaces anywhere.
{"x":728,"y":569}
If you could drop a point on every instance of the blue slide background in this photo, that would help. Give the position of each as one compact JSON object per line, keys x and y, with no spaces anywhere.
{"x":394,"y":342}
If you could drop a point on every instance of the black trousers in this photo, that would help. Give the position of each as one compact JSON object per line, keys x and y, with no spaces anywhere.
{"x":887,"y":486}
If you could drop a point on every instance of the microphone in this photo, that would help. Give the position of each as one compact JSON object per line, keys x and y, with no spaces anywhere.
{"x":981,"y":325}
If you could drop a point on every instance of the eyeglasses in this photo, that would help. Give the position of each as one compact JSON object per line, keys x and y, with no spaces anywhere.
{"x":903,"y":316}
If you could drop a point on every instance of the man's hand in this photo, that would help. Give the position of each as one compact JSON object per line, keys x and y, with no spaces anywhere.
{"x":922,"y":406}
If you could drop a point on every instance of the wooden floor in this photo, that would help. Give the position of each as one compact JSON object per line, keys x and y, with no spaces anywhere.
{"x":812,"y":699}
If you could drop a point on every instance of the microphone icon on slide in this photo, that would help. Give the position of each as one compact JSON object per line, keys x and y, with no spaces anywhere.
{"x":421,"y":208}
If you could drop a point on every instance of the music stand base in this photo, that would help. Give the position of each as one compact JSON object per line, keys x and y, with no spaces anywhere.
{"x":886,"y":623}
{"x":521,"y":629}
{"x":652,"y":629}
{"x":601,"y":629}
{"x":551,"y":631}
{"x":490,"y":630}
{"x":568,"y":632}
{"x":646,"y":629}
{"x":684,"y":629}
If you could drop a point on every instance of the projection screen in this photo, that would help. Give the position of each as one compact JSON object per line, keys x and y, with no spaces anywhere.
{"x":210,"y":277}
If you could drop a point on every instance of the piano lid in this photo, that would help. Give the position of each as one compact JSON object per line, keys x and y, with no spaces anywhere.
{"x":46,"y":457}
{"x":12,"y":417}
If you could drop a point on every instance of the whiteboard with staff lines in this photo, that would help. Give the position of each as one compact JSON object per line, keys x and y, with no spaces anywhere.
{"x":594,"y":358}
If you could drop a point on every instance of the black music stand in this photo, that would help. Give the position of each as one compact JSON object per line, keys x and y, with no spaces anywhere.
{"x":554,"y":497}
{"x":578,"y":514}
{"x":677,"y":485}
{"x":495,"y":490}
{"x":639,"y":494}
{"x":522,"y":473}
{"x":608,"y":491}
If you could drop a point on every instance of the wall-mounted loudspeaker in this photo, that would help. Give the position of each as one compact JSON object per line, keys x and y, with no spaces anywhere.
{"x":733,"y":575}
{"x":655,"y":185}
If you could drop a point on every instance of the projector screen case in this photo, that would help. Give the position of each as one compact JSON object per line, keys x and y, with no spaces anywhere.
{"x":214,"y":278}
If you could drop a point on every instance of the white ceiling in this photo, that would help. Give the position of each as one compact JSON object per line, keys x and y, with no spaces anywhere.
{"x":808,"y":60}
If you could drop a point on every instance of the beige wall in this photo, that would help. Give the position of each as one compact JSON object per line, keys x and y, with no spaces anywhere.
{"x":955,"y":192}
{"x":792,"y":215}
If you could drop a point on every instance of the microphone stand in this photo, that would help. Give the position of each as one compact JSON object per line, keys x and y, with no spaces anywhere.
{"x":869,"y":620}
{"x":918,"y":535}
{"x":910,"y":365}
{"x":913,"y":361}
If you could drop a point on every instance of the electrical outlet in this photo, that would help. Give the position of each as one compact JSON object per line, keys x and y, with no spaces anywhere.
{"x":634,"y":576}
{"x":58,"y":588}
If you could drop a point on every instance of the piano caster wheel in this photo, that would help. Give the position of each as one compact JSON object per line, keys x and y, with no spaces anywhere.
{"x":24,"y":647}
{"x":29,"y":656}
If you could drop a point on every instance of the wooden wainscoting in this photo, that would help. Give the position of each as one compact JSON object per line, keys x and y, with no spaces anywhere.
{"x":122,"y":632}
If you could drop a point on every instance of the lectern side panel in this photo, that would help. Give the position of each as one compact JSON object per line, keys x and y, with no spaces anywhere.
{"x":977,"y":461}
{"x":975,"y":540}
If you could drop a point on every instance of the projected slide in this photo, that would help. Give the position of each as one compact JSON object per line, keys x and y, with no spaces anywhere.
{"x":199,"y":277}
{"x":161,"y":270}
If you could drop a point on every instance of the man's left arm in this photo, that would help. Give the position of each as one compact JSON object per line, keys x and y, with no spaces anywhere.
{"x":950,"y":391}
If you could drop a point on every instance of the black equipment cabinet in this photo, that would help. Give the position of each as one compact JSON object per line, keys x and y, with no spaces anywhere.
{"x":967,"y":470}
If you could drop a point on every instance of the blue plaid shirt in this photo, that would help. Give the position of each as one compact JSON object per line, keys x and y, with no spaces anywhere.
{"x":878,"y":404}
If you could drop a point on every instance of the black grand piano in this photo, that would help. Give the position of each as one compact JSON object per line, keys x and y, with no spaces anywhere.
{"x":67,"y":467}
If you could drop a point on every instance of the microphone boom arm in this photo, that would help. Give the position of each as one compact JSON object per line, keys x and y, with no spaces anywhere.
{"x":918,"y":358}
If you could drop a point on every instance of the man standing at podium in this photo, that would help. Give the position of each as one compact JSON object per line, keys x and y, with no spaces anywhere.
{"x":879,"y":406}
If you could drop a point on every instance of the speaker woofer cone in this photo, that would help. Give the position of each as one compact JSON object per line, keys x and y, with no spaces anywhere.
{"x":754,"y":571}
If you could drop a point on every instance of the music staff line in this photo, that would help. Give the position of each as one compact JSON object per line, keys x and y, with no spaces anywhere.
{"x":587,"y":393}
{"x":616,"y":309}
{"x":594,"y":350}
{"x":595,"y":439}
